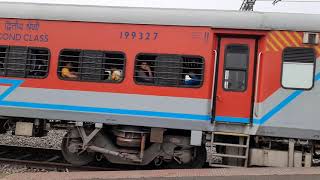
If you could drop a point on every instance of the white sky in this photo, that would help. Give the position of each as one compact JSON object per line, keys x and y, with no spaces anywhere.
{"x":263,"y":5}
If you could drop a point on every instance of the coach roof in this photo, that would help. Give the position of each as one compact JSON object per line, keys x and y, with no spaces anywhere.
{"x":161,"y":16}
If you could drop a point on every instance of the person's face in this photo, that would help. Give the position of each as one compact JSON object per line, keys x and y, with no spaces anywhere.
{"x":144,"y":65}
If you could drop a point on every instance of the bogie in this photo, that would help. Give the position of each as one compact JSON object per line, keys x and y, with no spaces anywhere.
{"x":80,"y":146}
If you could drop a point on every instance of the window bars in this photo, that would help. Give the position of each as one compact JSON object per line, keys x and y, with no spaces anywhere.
{"x":24,"y":62}
{"x":90,"y":65}
{"x":169,"y":70}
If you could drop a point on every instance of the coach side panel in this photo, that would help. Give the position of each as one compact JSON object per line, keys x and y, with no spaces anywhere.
{"x":126,"y":102}
{"x":288,"y":97}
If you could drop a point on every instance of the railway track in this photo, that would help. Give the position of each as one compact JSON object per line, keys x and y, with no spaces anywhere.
{"x":49,"y":159}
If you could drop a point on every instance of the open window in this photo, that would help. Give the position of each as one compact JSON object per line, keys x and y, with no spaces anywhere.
{"x":91,"y":65}
{"x":37,"y":63}
{"x":24,"y":62}
{"x":298,"y":68}
{"x":69,"y":60}
{"x":3,"y":55}
{"x":169,"y":70}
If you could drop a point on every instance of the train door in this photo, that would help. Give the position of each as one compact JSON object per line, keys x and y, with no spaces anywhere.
{"x":235,"y":79}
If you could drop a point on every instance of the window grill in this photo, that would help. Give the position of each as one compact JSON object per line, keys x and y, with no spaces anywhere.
{"x":24,"y":62}
{"x":169,"y":70}
{"x":90,"y":65}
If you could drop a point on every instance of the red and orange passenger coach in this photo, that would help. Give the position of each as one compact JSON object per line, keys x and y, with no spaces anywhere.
{"x":169,"y":87}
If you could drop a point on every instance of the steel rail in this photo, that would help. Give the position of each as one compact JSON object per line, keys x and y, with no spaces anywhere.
{"x":49,"y":159}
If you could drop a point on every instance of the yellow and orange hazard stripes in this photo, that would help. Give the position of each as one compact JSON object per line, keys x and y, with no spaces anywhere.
{"x":278,"y":40}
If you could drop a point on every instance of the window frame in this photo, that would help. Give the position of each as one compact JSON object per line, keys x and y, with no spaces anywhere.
{"x":314,"y":68}
{"x":246,"y":71}
{"x":28,"y":49}
{"x":169,"y":86}
{"x":80,"y":63}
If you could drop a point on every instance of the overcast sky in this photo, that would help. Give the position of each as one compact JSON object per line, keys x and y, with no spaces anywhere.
{"x":262,"y":5}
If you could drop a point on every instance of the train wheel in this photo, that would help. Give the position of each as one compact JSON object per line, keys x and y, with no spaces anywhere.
{"x":4,"y":125}
{"x":2,"y":128}
{"x":72,"y":152}
{"x":199,"y":160}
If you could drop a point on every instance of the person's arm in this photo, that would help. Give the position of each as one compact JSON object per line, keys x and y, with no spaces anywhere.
{"x":67,"y":74}
{"x":142,"y":76}
{"x":149,"y":72}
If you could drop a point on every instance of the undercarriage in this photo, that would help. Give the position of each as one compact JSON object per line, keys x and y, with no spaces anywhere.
{"x":131,"y":145}
{"x":169,"y":148}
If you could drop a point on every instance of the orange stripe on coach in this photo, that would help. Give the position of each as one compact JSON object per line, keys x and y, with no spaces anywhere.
{"x":282,"y":37}
{"x":277,"y":42}
{"x":291,"y":38}
{"x":271,"y":45}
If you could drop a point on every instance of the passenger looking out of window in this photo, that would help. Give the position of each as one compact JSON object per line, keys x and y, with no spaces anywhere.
{"x":67,"y":72}
{"x":191,"y":79}
{"x":37,"y":68}
{"x":113,"y":74}
{"x":116,"y":74}
{"x":144,"y":73}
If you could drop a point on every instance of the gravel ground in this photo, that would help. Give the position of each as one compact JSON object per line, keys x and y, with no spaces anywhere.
{"x":6,"y":169}
{"x":51,"y":141}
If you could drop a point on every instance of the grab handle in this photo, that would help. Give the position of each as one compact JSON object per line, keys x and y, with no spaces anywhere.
{"x":256,"y":112}
{"x":213,"y":78}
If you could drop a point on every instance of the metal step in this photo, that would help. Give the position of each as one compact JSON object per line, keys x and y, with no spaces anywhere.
{"x":229,"y":155}
{"x":230,"y":145}
{"x":230,"y":134}
{"x":224,"y":166}
{"x":243,"y":144}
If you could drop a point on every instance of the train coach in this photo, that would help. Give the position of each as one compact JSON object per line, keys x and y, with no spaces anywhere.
{"x":168,"y":87}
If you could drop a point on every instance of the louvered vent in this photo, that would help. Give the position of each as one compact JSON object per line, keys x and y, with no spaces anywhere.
{"x":299,"y":55}
{"x":298,"y":68}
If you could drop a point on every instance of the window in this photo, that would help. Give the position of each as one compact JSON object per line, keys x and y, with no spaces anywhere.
{"x":90,"y":65}
{"x":298,"y":66}
{"x":236,"y":67}
{"x":169,"y":70}
{"x":3,"y":53}
{"x":24,"y":62}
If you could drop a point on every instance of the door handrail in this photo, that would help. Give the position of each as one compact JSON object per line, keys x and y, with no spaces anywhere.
{"x":213,"y":79}
{"x":256,"y":112}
